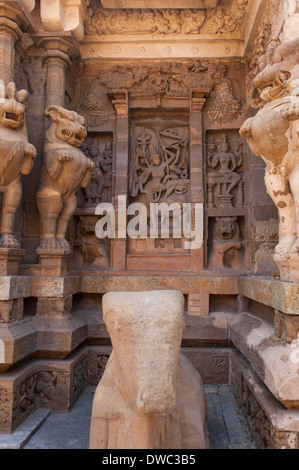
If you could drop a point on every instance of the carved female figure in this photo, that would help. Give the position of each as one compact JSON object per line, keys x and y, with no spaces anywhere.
{"x":226,"y":178}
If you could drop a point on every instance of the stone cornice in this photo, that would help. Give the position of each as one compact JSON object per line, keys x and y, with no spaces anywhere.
{"x":168,"y":33}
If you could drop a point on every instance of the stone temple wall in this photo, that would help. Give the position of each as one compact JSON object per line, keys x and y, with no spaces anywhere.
{"x":163,"y":93}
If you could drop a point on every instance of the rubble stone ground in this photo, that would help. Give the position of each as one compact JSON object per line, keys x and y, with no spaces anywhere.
{"x":48,"y":430}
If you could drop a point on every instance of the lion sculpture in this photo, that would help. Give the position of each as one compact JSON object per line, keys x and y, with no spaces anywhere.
{"x":227,"y":244}
{"x":16,"y":157}
{"x":273,"y":135}
{"x":65,"y":169}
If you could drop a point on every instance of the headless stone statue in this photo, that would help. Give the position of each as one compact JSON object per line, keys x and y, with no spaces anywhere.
{"x":150,"y":396}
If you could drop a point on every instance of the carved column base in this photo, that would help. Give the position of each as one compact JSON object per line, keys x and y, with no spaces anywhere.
{"x":53,"y":262}
{"x":288,"y":267}
{"x":224,"y":200}
{"x":9,"y":261}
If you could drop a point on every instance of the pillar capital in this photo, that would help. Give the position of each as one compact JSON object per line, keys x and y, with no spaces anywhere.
{"x":12,"y":17}
{"x":56,"y":56}
{"x":120,"y":101}
{"x":12,"y":22}
{"x":198,"y":98}
{"x":62,"y":47}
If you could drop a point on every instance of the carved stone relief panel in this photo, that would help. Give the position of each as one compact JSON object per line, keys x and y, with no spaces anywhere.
{"x":24,"y":398}
{"x":154,"y":79}
{"x":52,"y":388}
{"x":226,"y":243}
{"x":100,"y":150}
{"x":89,"y":250}
{"x":225,"y":175}
{"x":223,"y":19}
{"x":159,"y":173}
{"x":5,"y":410}
{"x":226,"y":103}
{"x":226,"y":210}
{"x":160,"y":169}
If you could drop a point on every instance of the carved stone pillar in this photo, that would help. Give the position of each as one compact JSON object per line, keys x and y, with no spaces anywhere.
{"x":57,"y":57}
{"x":56,"y":67}
{"x":198,"y":99}
{"x":118,"y":245}
{"x":10,"y":20}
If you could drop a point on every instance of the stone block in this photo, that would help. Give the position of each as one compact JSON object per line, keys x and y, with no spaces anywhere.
{"x":274,"y":361}
{"x":9,"y":261}
{"x":198,"y":305}
{"x":57,"y":337}
{"x":271,"y":424}
{"x":206,"y":331}
{"x":54,"y":385}
{"x":211,"y":363}
{"x":11,"y":310}
{"x":283,"y":296}
{"x":17,"y":342}
{"x":52,"y":263}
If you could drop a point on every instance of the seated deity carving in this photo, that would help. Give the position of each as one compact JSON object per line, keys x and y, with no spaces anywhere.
{"x":17,"y":157}
{"x":273,"y":135}
{"x":65,"y":169}
{"x":225,"y":178}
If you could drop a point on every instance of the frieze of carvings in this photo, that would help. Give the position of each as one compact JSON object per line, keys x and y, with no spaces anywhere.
{"x":224,"y":19}
{"x":24,"y":397}
{"x":224,"y":161}
{"x":223,"y":105}
{"x":96,"y":366}
{"x":160,"y":167}
{"x":226,"y":244}
{"x":258,"y":50}
{"x":80,"y":376}
{"x":46,"y":387}
{"x":52,"y":388}
{"x":173,"y":78}
{"x":99,"y":187}
{"x":5,"y":409}
{"x":266,"y":30}
{"x":260,"y":424}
